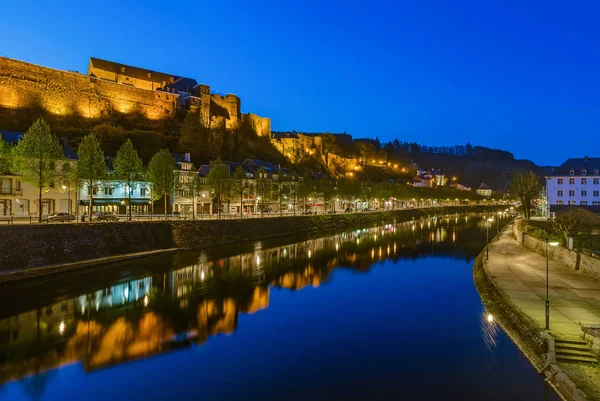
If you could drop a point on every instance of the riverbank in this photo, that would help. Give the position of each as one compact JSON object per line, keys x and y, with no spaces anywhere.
{"x":47,"y":248}
{"x":512,"y":287}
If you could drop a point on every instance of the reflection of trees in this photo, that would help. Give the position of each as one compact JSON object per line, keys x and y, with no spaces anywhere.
{"x":203,"y":296}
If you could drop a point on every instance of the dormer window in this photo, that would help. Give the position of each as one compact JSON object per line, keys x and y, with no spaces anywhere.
{"x":149,"y":75}
{"x":584,"y":172}
{"x":122,"y":70}
{"x":572,"y":172}
{"x":596,"y":172}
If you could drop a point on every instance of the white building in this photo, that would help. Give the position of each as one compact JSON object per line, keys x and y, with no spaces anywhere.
{"x":20,"y":199}
{"x":484,"y":190}
{"x":575,"y":183}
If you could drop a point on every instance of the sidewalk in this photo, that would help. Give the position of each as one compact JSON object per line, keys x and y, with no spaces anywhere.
{"x":521,"y":274}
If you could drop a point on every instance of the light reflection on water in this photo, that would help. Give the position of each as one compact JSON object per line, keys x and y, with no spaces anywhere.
{"x":184,"y":299}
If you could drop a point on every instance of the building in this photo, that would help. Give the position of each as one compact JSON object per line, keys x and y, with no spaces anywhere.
{"x":19,"y":199}
{"x":190,"y":190}
{"x":110,"y":195}
{"x":484,"y":190}
{"x":575,"y":183}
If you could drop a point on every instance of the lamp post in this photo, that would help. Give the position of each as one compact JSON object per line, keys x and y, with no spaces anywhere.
{"x":487,"y":238}
{"x":551,"y":243}
{"x":65,"y":187}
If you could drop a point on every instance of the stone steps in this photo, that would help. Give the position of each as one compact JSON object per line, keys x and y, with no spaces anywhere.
{"x":573,"y":351}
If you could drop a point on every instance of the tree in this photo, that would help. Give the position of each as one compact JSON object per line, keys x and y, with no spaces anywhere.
{"x":36,"y":155}
{"x":5,"y":157}
{"x":575,"y":221}
{"x":218,"y":181}
{"x":91,"y":166}
{"x":161,"y":175}
{"x":239,"y":186}
{"x":128,"y":168}
{"x":526,"y":187}
{"x":194,"y":137}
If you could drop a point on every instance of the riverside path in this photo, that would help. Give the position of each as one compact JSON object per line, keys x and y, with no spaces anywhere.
{"x":521,"y":275}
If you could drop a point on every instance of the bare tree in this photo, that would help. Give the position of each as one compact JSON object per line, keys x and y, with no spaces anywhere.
{"x":526,"y":187}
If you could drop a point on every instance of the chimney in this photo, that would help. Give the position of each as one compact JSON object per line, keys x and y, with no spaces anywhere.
{"x":186,"y":157}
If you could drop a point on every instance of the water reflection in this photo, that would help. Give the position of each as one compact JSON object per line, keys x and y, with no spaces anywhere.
{"x":191,"y":297}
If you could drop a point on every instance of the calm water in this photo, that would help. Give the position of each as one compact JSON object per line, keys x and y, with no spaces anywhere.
{"x":389,"y":312}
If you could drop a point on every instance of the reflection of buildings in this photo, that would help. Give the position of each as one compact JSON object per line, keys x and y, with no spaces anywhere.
{"x":156,"y":313}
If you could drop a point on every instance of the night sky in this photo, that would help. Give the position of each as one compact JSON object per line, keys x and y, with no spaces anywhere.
{"x":503,"y":74}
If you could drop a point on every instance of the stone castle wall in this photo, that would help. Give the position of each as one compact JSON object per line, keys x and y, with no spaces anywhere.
{"x":226,"y":106}
{"x":261,"y":125}
{"x":298,"y":146}
{"x":24,"y":85}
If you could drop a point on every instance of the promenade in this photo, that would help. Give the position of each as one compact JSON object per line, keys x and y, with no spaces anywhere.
{"x":521,"y":274}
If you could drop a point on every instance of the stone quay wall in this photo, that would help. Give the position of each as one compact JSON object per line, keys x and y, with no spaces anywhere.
{"x":28,"y":247}
{"x":588,"y":265}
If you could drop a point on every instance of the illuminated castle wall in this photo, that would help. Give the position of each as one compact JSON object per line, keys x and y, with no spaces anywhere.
{"x":111,"y":86}
{"x":24,"y":85}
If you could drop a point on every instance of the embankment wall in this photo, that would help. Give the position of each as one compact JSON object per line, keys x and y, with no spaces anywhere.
{"x":26,"y":247}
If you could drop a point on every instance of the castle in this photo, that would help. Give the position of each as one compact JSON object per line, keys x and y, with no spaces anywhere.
{"x":109,"y":86}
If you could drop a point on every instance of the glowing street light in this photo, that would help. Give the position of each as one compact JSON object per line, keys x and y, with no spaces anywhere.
{"x":551,"y":243}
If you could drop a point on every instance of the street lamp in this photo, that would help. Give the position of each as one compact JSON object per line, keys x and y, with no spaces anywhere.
{"x":487,"y":238}
{"x":64,"y":187}
{"x":551,"y":243}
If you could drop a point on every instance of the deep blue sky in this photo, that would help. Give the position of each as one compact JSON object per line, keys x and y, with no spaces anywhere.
{"x":516,"y":76}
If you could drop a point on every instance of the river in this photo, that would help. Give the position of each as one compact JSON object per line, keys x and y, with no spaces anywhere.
{"x":380,"y":313}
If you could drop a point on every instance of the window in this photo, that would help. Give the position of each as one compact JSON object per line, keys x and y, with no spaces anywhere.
{"x":94,"y":191}
{"x":596,"y":193}
{"x":560,"y":181}
{"x":559,"y":193}
{"x":572,"y":172}
{"x":571,"y":193}
{"x":571,"y":181}
{"x":584,"y":181}
{"x":132,"y":192}
{"x":572,"y":202}
{"x":596,"y":172}
{"x":596,"y":203}
{"x":108,"y":191}
{"x":142,"y":191}
{"x":560,"y":202}
{"x":596,"y":181}
{"x":584,"y":172}
{"x":583,"y":203}
{"x":583,"y":193}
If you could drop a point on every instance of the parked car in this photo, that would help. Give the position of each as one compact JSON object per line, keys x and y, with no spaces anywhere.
{"x":307,"y":212}
{"x":331,"y":212}
{"x":105,"y":216}
{"x":348,"y":210}
{"x":60,"y":216}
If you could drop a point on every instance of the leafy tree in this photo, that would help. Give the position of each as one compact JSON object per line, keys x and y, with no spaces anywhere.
{"x":128,"y":169}
{"x":194,"y":137}
{"x":219,"y":181}
{"x":161,"y":175}
{"x":526,"y":187}
{"x":239,"y":186}
{"x":36,"y":155}
{"x":575,"y":221}
{"x":5,"y":157}
{"x":91,"y":166}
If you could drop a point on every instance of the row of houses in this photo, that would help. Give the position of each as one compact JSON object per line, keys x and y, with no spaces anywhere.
{"x":20,"y":199}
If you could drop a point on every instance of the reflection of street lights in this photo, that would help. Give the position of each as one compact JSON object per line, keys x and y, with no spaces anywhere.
{"x":487,"y":238}
{"x":552,"y":243}
{"x":498,"y":223}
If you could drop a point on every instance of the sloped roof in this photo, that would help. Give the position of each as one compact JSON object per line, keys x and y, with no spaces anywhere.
{"x":14,"y":137}
{"x":578,"y":164}
{"x":484,"y":186}
{"x":179,"y":83}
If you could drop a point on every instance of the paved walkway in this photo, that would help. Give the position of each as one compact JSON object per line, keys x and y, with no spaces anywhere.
{"x":521,"y":274}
